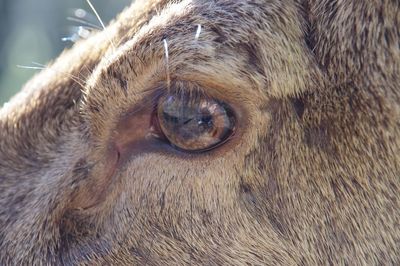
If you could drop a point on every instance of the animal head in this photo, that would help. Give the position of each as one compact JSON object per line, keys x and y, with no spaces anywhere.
{"x":211,"y":132}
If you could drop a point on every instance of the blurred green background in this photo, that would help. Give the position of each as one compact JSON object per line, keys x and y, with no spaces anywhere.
{"x":32,"y":31}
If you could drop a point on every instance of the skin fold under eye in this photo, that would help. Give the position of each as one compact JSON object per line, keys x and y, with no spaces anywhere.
{"x":194,"y":124}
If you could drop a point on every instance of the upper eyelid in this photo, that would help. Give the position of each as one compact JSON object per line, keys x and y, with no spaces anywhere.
{"x":176,"y":87}
{"x":158,"y":89}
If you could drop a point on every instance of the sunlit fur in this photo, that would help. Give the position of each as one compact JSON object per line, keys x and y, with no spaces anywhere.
{"x":311,"y":177}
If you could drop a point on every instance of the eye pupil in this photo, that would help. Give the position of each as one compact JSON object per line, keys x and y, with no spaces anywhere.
{"x":194,"y":123}
{"x":205,"y":121}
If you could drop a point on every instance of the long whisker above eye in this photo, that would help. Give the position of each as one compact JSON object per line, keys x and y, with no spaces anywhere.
{"x":198,"y":31}
{"x":38,"y":66}
{"x":100,"y":20}
{"x":97,"y":14}
{"x":76,"y":78}
{"x":167,"y":62}
{"x":84,"y":22}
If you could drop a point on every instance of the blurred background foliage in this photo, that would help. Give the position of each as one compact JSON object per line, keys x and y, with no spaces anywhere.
{"x":32,"y":31}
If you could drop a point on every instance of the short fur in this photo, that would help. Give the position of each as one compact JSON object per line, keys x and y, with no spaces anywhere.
{"x":312,"y":176}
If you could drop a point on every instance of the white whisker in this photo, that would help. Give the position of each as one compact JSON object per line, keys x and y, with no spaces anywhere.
{"x":30,"y":67}
{"x":91,"y":25}
{"x":38,"y":66}
{"x":73,"y":38}
{"x":100,"y":20}
{"x":196,"y":37}
{"x":167,"y":62}
{"x":97,"y":14}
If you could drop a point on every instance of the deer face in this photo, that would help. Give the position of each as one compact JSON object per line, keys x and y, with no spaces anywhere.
{"x":211,"y":132}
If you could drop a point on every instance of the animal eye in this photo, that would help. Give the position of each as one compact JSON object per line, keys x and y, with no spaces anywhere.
{"x":194,"y":124}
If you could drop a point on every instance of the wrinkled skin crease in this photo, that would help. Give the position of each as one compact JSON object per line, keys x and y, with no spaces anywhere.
{"x":310,"y":177}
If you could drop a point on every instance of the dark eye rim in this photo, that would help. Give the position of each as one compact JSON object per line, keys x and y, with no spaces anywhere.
{"x":158,"y":133}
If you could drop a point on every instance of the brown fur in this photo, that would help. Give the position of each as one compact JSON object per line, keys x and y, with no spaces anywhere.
{"x":312,"y":176}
